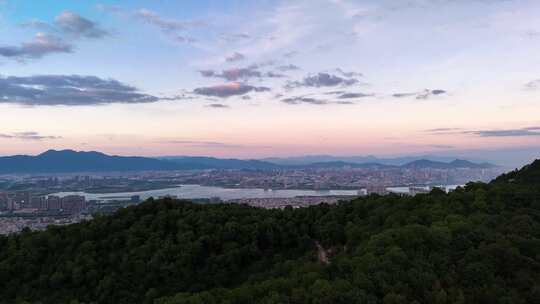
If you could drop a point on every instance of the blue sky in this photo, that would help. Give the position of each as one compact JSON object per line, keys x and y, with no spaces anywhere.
{"x":265,"y":78}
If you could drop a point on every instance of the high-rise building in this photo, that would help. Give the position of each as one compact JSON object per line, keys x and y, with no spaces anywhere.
{"x":22,"y":199}
{"x":54,"y":203}
{"x":73,"y":203}
{"x":38,"y":202}
{"x":3,"y":201}
{"x":12,"y":205}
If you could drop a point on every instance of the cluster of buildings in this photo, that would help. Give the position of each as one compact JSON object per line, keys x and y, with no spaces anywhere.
{"x":30,"y":208}
{"x":97,"y":183}
{"x":336,"y":178}
{"x":26,"y":202}
{"x":16,"y":223}
{"x":21,"y":209}
{"x":294,"y":202}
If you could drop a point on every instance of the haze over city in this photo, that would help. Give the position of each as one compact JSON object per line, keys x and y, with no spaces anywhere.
{"x":271,"y":78}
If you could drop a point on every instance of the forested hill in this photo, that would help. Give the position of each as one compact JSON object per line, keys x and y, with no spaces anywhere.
{"x":478,"y":244}
{"x":529,"y":174}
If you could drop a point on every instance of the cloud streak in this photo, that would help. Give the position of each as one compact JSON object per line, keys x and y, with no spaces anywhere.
{"x":173,"y":28}
{"x":218,"y":106}
{"x":40,"y":46}
{"x":524,"y":132}
{"x":349,"y":74}
{"x":234,"y":74}
{"x":304,"y":100}
{"x":70,"y":25}
{"x":245,"y":73}
{"x":73,"y":24}
{"x":322,"y":80}
{"x":445,"y":131}
{"x":29,"y":136}
{"x":287,"y":68}
{"x":297,"y":100}
{"x":235,"y":57}
{"x":521,"y":132}
{"x":353,"y":95}
{"x":68,"y":90}
{"x":533,"y":85}
{"x":228,"y":90}
{"x":422,"y":95}
{"x":165,"y":24}
{"x":57,"y":37}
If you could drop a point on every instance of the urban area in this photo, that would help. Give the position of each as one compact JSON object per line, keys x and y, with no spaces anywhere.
{"x":29,"y":201}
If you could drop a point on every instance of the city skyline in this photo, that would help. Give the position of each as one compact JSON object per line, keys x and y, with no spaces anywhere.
{"x":270,"y":78}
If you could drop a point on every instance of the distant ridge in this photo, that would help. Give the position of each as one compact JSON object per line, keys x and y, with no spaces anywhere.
{"x":202,"y":162}
{"x":340,"y":164}
{"x":65,"y":161}
{"x":69,"y":161}
{"x":455,"y":164}
{"x":391,"y":161}
{"x":199,"y":162}
{"x":418,"y":164}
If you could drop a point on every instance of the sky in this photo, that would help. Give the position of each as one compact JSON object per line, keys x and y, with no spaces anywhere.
{"x":253,"y":79}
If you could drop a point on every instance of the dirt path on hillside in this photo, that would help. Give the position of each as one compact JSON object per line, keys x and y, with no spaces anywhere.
{"x":322,"y":254}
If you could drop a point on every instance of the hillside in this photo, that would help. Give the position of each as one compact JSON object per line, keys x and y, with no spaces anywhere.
{"x":53,"y":161}
{"x":340,"y":164}
{"x":395,"y":161}
{"x":201,"y":162}
{"x":455,"y":164}
{"x":529,"y":174}
{"x":480,"y":244}
{"x":63,"y":161}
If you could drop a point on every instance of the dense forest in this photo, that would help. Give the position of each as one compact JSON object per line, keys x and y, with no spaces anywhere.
{"x":478,"y":244}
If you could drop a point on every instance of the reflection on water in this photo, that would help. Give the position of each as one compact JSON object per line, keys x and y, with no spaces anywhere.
{"x":197,"y":191}
{"x":405,"y":190}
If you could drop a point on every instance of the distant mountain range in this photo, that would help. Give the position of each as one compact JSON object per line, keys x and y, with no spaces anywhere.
{"x":395,"y":161}
{"x":201,"y":162}
{"x":457,"y":163}
{"x":66,"y":161}
{"x":54,"y":161}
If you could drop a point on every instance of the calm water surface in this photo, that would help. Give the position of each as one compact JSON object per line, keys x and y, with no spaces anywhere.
{"x":197,"y":191}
